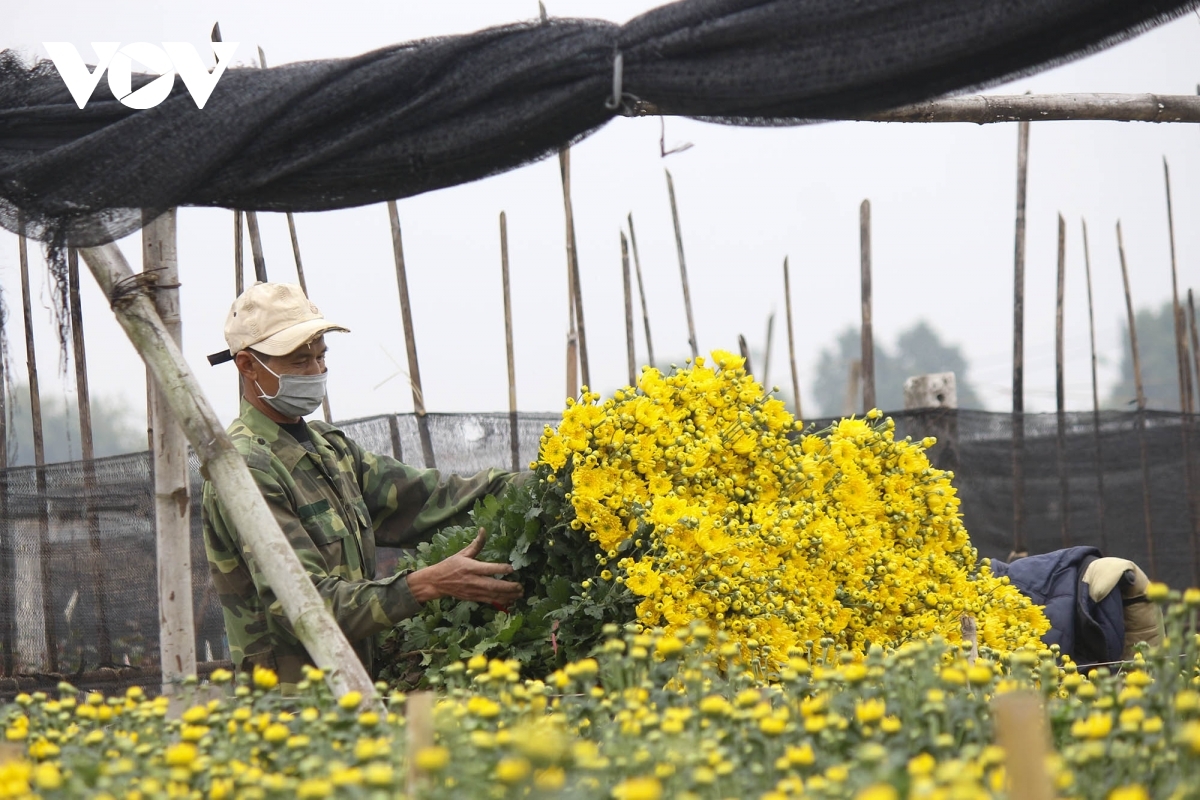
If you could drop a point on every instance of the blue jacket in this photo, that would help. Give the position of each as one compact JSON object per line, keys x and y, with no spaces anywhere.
{"x":1088,"y":631}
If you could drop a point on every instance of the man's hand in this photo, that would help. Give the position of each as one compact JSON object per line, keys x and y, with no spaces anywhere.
{"x":462,"y":577}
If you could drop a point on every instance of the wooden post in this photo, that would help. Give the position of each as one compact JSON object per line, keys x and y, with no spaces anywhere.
{"x":418,"y":713}
{"x":410,"y":341}
{"x":1141,"y":412}
{"x":394,"y":434}
{"x":260,"y":266}
{"x":787,"y":301}
{"x":868,"y":337}
{"x":1195,"y":342}
{"x":39,"y":460}
{"x":637,"y":268}
{"x":745,"y":350}
{"x":291,"y":221}
{"x":853,"y":379}
{"x":172,"y":500}
{"x":766,"y":379}
{"x":239,"y":279}
{"x":687,"y":295}
{"x":630,"y":355}
{"x":1181,"y":348}
{"x":1087,"y":264}
{"x":564,"y":164}
{"x":315,"y":627}
{"x":1018,"y":390}
{"x":513,"y":433}
{"x":1021,"y":732}
{"x":1185,"y":386}
{"x":1064,"y":499}
{"x":84,"y":403}
{"x":8,"y":564}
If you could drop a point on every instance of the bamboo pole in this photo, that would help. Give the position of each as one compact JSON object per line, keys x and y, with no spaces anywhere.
{"x":1087,"y":264}
{"x":989,"y":109}
{"x":410,"y":341}
{"x":394,"y":434}
{"x":172,"y":499}
{"x":853,"y":379}
{"x":418,"y":712}
{"x":637,"y":268}
{"x":767,"y":356}
{"x":1185,"y":385}
{"x":8,"y":567}
{"x":787,"y":302}
{"x":687,"y":294}
{"x":1185,"y":399}
{"x":239,"y":271}
{"x":291,"y":221}
{"x":1021,"y":732}
{"x":1060,"y":389}
{"x":1195,"y":342}
{"x":745,"y":350}
{"x":84,"y":404}
{"x":39,"y":460}
{"x":315,"y":627}
{"x":866,"y":334}
{"x":630,"y":356}
{"x":513,"y":433}
{"x":256,"y":251}
{"x":564,"y":164}
{"x":1018,"y":390}
{"x":1141,"y":412}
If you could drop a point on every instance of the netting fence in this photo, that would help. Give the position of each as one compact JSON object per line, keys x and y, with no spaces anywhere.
{"x":78,"y":589}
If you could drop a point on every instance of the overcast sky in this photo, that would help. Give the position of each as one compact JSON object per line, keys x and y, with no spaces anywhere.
{"x":942,"y":205}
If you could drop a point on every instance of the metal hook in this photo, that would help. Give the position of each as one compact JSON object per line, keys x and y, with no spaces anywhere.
{"x":614,"y":102}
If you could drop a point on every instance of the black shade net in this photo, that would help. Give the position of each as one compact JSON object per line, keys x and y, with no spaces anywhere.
{"x":414,"y":117}
{"x":80,"y":599}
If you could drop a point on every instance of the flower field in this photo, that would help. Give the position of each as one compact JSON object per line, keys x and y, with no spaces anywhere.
{"x":651,"y":715}
{"x":718,"y":603}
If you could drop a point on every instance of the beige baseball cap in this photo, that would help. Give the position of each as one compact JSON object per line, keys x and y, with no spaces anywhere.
{"x":274,"y":319}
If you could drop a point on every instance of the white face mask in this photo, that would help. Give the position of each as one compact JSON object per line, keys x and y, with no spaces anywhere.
{"x":298,"y":395}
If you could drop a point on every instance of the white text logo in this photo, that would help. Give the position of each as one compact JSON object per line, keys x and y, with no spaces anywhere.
{"x":172,"y":57}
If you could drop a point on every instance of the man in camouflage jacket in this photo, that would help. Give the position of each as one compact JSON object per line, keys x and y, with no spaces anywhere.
{"x":333,"y":500}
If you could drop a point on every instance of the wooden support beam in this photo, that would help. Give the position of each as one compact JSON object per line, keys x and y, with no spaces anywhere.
{"x":315,"y":627}
{"x":576,"y":299}
{"x":1147,"y":519}
{"x":630,"y":356}
{"x":90,"y":516}
{"x":1018,"y":375}
{"x":410,"y":339}
{"x":513,"y":431}
{"x":39,"y":459}
{"x":1064,"y":515}
{"x":787,"y":301}
{"x":172,"y":498}
{"x":867,"y":335}
{"x":990,"y":109}
{"x":766,"y":371}
{"x":8,"y":563}
{"x":260,"y":265}
{"x":637,"y":268}
{"x":1087,"y":264}
{"x":1184,"y":373}
{"x":687,"y":294}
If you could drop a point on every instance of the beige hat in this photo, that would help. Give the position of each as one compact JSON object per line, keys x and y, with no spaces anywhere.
{"x":274,"y":319}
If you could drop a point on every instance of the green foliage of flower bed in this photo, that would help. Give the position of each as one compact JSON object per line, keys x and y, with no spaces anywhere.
{"x":649,"y":715}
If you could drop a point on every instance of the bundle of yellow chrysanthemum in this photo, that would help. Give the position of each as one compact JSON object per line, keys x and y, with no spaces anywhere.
{"x":711,"y":505}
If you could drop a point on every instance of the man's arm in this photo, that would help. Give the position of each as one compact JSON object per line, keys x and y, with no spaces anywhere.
{"x":407,"y":504}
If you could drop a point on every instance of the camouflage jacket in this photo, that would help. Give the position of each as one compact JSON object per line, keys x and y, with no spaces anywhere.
{"x":334,"y":506}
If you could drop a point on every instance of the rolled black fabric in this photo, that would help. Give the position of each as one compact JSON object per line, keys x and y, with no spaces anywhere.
{"x":410,"y":118}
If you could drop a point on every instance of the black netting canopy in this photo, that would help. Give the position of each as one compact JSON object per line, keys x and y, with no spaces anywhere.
{"x":429,"y":114}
